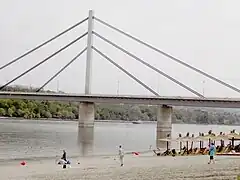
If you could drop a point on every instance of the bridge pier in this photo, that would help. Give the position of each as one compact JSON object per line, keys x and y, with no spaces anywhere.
{"x":87,"y":110}
{"x":164,"y":125}
{"x":86,"y":128}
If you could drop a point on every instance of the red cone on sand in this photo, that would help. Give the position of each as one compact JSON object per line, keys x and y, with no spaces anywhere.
{"x":23,"y":163}
{"x":136,"y":153}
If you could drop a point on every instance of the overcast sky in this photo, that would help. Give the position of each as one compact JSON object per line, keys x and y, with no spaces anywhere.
{"x":202,"y":33}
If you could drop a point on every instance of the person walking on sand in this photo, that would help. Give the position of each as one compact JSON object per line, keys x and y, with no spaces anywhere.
{"x":121,"y":154}
{"x":212,"y":151}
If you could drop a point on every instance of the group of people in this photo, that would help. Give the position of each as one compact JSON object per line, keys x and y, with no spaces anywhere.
{"x":64,"y":160}
{"x":212,"y":152}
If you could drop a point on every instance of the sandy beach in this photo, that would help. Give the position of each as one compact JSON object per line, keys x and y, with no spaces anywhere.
{"x":143,"y":167}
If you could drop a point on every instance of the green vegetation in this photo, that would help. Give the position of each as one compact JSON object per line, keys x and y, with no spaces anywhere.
{"x":46,"y":109}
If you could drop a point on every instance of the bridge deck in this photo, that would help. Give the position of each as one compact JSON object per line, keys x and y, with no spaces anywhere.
{"x":116,"y":99}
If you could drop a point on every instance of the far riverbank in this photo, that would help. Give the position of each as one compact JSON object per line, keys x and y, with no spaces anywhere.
{"x":73,"y":120}
{"x":102,"y":121}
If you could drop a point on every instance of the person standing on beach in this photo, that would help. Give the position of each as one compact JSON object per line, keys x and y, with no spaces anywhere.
{"x":64,"y":156}
{"x":212,"y":151}
{"x":63,"y":159}
{"x":121,"y":154}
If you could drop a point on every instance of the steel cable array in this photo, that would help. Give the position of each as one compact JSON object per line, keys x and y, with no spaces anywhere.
{"x":168,"y":55}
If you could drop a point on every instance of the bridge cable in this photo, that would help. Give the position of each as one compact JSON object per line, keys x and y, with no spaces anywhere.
{"x":43,"y":44}
{"x":148,"y":65}
{"x":62,"y":69}
{"x":169,"y":56}
{"x":43,"y":61}
{"x":126,"y":72}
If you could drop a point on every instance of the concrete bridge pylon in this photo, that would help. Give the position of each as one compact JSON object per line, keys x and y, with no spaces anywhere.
{"x":87,"y":110}
{"x":164,"y":126}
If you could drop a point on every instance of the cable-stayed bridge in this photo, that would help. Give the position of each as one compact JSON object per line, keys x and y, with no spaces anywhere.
{"x":87,"y":100}
{"x":200,"y":100}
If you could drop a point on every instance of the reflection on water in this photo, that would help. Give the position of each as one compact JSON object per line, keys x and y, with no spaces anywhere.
{"x":86,"y":140}
{"x":32,"y":138}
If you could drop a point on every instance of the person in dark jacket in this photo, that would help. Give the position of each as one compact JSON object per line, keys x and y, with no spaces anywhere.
{"x":64,"y":156}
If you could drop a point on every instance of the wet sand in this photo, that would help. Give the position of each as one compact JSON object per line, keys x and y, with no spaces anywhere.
{"x":144,"y":167}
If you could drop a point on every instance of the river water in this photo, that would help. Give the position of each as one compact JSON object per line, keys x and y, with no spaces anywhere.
{"x":26,"y":139}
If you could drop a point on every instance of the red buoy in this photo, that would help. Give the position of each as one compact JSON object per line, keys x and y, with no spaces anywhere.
{"x":23,"y":163}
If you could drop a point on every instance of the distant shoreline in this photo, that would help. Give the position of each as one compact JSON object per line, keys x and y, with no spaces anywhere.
{"x":73,"y":120}
{"x":100,"y":121}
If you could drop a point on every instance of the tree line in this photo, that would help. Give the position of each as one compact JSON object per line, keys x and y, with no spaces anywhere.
{"x":69,"y":110}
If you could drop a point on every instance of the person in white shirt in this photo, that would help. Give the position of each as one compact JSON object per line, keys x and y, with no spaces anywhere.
{"x":121,"y":154}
